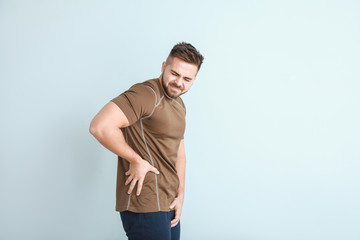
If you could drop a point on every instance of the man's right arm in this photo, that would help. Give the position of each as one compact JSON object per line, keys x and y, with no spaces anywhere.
{"x":106,"y":128}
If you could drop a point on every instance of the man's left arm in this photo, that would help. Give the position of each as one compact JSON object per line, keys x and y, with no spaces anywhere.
{"x":180,"y":168}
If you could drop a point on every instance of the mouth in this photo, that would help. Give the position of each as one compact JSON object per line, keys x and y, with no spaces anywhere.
{"x":176,"y":89}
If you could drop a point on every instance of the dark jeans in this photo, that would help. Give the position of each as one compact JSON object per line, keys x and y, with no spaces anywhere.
{"x":150,"y":226}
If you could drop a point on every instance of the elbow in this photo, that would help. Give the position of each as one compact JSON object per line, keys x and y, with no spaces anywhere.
{"x":95,"y":130}
{"x":92,"y":130}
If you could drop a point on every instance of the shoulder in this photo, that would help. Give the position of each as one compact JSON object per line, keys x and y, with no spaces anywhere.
{"x":142,"y":93}
{"x":180,"y":103}
{"x":179,"y":99}
{"x":143,"y":87}
{"x":138,"y":101}
{"x":153,"y":85}
{"x":142,"y":90}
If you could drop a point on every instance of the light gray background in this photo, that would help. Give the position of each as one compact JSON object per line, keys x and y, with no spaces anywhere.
{"x":272,"y":133}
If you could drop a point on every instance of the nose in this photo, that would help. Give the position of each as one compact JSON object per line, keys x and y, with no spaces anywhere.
{"x":178,"y":81}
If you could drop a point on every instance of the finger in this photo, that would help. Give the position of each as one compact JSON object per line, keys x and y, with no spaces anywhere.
{"x":127,"y":173}
{"x":139,"y":187}
{"x":174,"y":222}
{"x":154,"y":170}
{"x":177,"y":214}
{"x":132,"y":185}
{"x":173,"y":204}
{"x":129,"y":180}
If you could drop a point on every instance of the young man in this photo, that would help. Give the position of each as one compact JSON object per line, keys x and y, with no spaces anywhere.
{"x":145,"y":127}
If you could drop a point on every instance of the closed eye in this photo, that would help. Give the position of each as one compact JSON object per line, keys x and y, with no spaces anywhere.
{"x":174,"y":73}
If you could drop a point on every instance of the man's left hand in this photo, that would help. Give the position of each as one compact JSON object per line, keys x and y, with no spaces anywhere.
{"x":177,"y":206}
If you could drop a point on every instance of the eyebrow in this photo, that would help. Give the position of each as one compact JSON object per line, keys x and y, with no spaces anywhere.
{"x":187,"y":78}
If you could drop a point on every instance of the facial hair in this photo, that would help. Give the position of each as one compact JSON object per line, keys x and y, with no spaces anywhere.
{"x":170,"y":84}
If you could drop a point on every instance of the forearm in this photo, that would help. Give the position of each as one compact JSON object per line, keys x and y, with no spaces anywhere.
{"x":180,"y":168}
{"x":113,"y":139}
{"x":181,"y":174}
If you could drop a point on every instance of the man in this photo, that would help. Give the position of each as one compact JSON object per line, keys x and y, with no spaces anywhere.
{"x":145,"y":127}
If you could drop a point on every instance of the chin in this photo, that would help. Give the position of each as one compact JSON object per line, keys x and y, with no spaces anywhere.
{"x":171,"y":94}
{"x":174,"y":96}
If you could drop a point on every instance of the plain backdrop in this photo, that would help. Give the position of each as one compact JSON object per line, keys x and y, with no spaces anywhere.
{"x":272,"y":138}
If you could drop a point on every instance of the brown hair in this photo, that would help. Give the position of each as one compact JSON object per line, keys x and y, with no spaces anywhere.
{"x":188,"y":53}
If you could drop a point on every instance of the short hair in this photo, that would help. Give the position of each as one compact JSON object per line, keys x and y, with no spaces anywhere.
{"x":188,"y":53}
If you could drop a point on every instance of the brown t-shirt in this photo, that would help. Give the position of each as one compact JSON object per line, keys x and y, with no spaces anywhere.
{"x":157,"y":125}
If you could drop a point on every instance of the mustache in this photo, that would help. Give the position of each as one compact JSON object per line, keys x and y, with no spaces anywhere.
{"x":176,"y":85}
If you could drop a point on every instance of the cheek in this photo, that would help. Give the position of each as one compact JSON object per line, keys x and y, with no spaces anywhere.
{"x":168,"y":78}
{"x":187,"y":85}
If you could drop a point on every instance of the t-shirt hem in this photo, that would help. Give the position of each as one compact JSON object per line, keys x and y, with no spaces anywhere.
{"x":141,"y":210}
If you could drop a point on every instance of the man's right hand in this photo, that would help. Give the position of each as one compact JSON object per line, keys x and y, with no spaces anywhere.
{"x":137,"y":171}
{"x":106,"y":127}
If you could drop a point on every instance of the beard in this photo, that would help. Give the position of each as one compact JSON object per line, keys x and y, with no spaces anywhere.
{"x":168,"y":89}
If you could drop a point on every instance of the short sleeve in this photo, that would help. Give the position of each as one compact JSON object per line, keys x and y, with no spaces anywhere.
{"x":137,"y":102}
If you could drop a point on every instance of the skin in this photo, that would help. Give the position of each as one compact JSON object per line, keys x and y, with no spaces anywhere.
{"x":179,"y":200}
{"x":177,"y":76}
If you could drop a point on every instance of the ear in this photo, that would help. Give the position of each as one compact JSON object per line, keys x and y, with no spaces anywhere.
{"x":163,"y":67}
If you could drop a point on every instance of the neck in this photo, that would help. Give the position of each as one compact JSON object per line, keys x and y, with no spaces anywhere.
{"x":162,"y":87}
